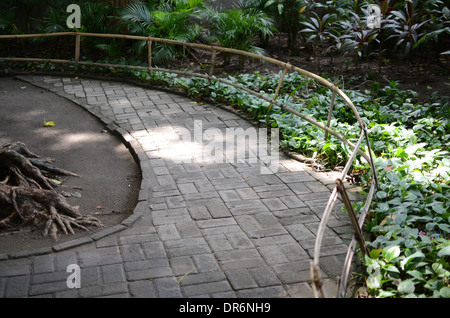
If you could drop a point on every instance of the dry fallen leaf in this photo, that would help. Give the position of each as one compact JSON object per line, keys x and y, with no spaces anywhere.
{"x":49,"y":123}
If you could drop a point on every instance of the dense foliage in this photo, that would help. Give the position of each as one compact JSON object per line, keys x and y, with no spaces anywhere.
{"x":332,"y":26}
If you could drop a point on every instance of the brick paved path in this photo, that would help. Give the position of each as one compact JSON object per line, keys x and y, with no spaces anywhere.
{"x":199,"y":229}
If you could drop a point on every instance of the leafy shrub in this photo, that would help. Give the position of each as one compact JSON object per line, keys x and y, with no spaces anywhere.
{"x":169,"y":20}
{"x":236,"y":28}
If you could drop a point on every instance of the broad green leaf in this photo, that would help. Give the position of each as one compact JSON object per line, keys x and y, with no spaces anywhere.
{"x":445,"y":292}
{"x":374,"y":281}
{"x":391,"y":252}
{"x":440,"y":270}
{"x":406,"y":287}
{"x":416,"y":274}
{"x":438,"y":207}
{"x":381,"y":194}
{"x":408,"y":259}
{"x":375,"y":253}
{"x":392,"y":269}
{"x":444,"y":252}
{"x":384,"y":207}
{"x":385,"y":294}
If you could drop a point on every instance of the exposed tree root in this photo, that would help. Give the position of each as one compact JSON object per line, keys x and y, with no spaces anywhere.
{"x":27,"y":196}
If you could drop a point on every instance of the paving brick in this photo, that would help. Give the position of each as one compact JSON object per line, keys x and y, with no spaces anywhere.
{"x":131,"y":252}
{"x":272,"y":254}
{"x":142,"y":289}
{"x":100,"y":256}
{"x":247,"y":193}
{"x":222,"y":230}
{"x":300,"y":232}
{"x":207,"y":288}
{"x":316,"y":186}
{"x":274,"y":204}
{"x":292,"y":201}
{"x":206,"y":263}
{"x":170,"y":216}
{"x":261,"y":293}
{"x":185,"y":247}
{"x":17,"y":286}
{"x":238,"y":259}
{"x":293,"y":272}
{"x":188,"y":229}
{"x":218,"y":242}
{"x":199,"y":213}
{"x":300,"y":290}
{"x":273,"y":239}
{"x":168,"y":232}
{"x":148,"y":274}
{"x":167,"y":287}
{"x":186,"y":188}
{"x":154,"y":250}
{"x":299,"y":188}
{"x":113,"y":273}
{"x":241,"y":279}
{"x":264,"y":276}
{"x":245,"y":207}
{"x":229,"y":195}
{"x":43,"y":264}
{"x":239,"y":240}
{"x":182,"y":265}
{"x":218,"y":210}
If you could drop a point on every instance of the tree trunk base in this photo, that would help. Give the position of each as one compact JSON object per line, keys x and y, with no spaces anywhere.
{"x":27,"y":194}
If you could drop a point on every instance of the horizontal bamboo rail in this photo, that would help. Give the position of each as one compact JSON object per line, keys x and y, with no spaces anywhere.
{"x":338,"y":189}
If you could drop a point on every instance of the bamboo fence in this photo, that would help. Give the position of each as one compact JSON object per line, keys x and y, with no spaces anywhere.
{"x":286,"y":67}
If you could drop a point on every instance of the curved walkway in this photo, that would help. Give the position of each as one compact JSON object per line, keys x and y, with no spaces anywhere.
{"x":203,"y":227}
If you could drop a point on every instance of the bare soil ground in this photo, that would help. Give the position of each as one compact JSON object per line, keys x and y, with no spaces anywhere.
{"x":109,"y":177}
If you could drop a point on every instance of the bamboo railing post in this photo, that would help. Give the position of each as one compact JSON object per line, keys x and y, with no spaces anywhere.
{"x":372,"y":166}
{"x":330,"y":111}
{"x":286,"y":66}
{"x":149,"y":54}
{"x":213,"y":62}
{"x":351,"y":213}
{"x":77,"y":46}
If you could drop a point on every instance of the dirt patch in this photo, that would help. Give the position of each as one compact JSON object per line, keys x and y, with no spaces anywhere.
{"x":109,"y":177}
